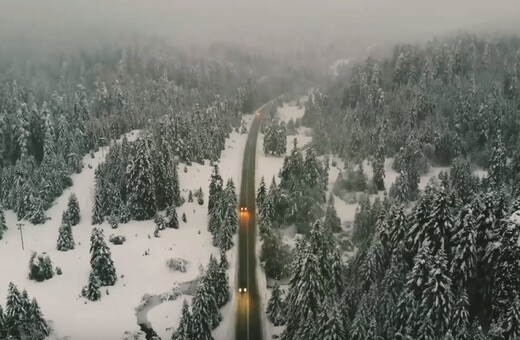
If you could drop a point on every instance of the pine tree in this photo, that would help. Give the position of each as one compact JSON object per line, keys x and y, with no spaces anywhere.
{"x":225,"y":234}
{"x":65,"y":238}
{"x":183,"y":332}
{"x":511,"y":323}
{"x":440,"y":223}
{"x":498,"y":163}
{"x":3,"y":226}
{"x":275,"y":306}
{"x":200,"y":197}
{"x":281,"y":139}
{"x":101,"y":259}
{"x":190,"y":197}
{"x":97,"y":210}
{"x":15,"y":312}
{"x":172,"y":220}
{"x":39,"y":329}
{"x":73,"y":210}
{"x":437,"y":298}
{"x":460,"y":318}
{"x":261,"y":194}
{"x":332,"y":221}
{"x":418,"y":277}
{"x":224,"y":264}
{"x":378,"y":168}
{"x":91,"y":291}
{"x":330,"y":325}
{"x":3,"y":324}
{"x":215,"y":187}
{"x":140,"y":184}
{"x":204,"y":312}
{"x":464,"y":262}
{"x":312,"y":168}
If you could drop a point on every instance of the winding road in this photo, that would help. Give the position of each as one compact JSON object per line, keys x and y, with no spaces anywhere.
{"x":249,"y":306}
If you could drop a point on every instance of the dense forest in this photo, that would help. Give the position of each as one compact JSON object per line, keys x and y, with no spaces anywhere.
{"x":441,"y":263}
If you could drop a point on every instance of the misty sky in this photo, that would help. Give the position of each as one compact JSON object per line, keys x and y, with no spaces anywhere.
{"x":287,"y":22}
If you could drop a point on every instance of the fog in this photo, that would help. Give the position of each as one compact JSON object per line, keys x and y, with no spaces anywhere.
{"x":38,"y":26}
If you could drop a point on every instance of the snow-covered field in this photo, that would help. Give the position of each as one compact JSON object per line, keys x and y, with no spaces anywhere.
{"x":138,"y":274}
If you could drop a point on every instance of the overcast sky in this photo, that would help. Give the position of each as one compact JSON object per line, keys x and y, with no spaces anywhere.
{"x":291,"y":22}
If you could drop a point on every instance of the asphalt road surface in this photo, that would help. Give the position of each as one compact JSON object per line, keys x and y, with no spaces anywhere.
{"x":249,"y":306}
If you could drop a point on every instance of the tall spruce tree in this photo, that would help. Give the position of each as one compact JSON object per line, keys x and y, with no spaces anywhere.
{"x":65,"y":238}
{"x":215,"y":187}
{"x":275,"y":306}
{"x":101,"y":259}
{"x":3,"y":226}
{"x":140,"y":185}
{"x":91,"y":291}
{"x":73,"y":210}
{"x":183,"y":332}
{"x":332,"y":222}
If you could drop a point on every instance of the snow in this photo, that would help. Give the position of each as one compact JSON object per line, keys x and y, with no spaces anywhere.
{"x":59,"y":297}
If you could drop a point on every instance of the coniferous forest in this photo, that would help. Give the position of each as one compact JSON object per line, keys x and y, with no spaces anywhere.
{"x":386,"y":174}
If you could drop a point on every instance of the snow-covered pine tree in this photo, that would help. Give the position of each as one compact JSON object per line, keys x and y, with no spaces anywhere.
{"x":224,"y":264}
{"x":498,"y":163}
{"x":332,"y":222}
{"x":204,"y":312}
{"x":378,"y":168}
{"x":172,"y":220}
{"x":97,"y":209}
{"x":460,"y":318}
{"x":183,"y":332}
{"x":230,"y":203}
{"x":330,"y":325}
{"x":200,"y":197}
{"x":3,"y":324}
{"x":312,"y":168}
{"x":73,"y":210}
{"x":275,"y":306}
{"x":15,"y":313}
{"x":281,"y":140}
{"x":440,"y":223}
{"x":464,"y":261}
{"x":65,"y":237}
{"x":437,"y":298}
{"x":91,"y":291}
{"x":261,"y":194}
{"x":511,"y":321}
{"x":3,"y":226}
{"x":140,"y":185}
{"x":190,"y":197}
{"x":37,"y":325}
{"x":215,"y":187}
{"x":101,"y":259}
{"x":423,"y":264}
{"x":225,"y":233}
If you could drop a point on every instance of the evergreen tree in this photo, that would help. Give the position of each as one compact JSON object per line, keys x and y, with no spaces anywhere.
{"x":73,"y":210}
{"x":330,"y":325}
{"x":183,"y":332}
{"x":437,"y":298}
{"x":15,"y":312}
{"x":378,"y":168}
{"x":312,"y":168}
{"x":332,"y":221}
{"x":281,"y":139}
{"x":511,"y":323}
{"x":440,"y":223}
{"x":172,"y":220}
{"x":224,"y":264}
{"x":200,"y":197}
{"x":225,"y":234}
{"x":261,"y":194}
{"x":65,"y":238}
{"x":204,"y":312}
{"x":464,"y":262}
{"x":140,"y":184}
{"x":190,"y":197}
{"x":498,"y":163}
{"x":460,"y":318}
{"x":3,"y":226}
{"x":97,"y":209}
{"x":91,"y":291}
{"x":3,"y":324}
{"x":38,"y":327}
{"x":215,"y":187}
{"x":101,"y":259}
{"x":418,"y":277}
{"x":275,"y":306}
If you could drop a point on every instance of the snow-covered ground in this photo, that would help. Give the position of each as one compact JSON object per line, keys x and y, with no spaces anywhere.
{"x":138,"y":274}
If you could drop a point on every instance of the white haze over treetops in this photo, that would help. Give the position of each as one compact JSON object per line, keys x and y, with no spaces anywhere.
{"x":276,"y":24}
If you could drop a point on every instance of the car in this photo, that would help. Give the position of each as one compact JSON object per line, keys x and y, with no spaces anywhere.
{"x":242,"y":290}
{"x":243,"y":208}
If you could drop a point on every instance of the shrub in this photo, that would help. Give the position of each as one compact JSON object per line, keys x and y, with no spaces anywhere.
{"x":40,"y":267}
{"x":117,"y":239}
{"x":177,"y":264}
{"x":113,"y":221}
{"x":59,"y":271}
